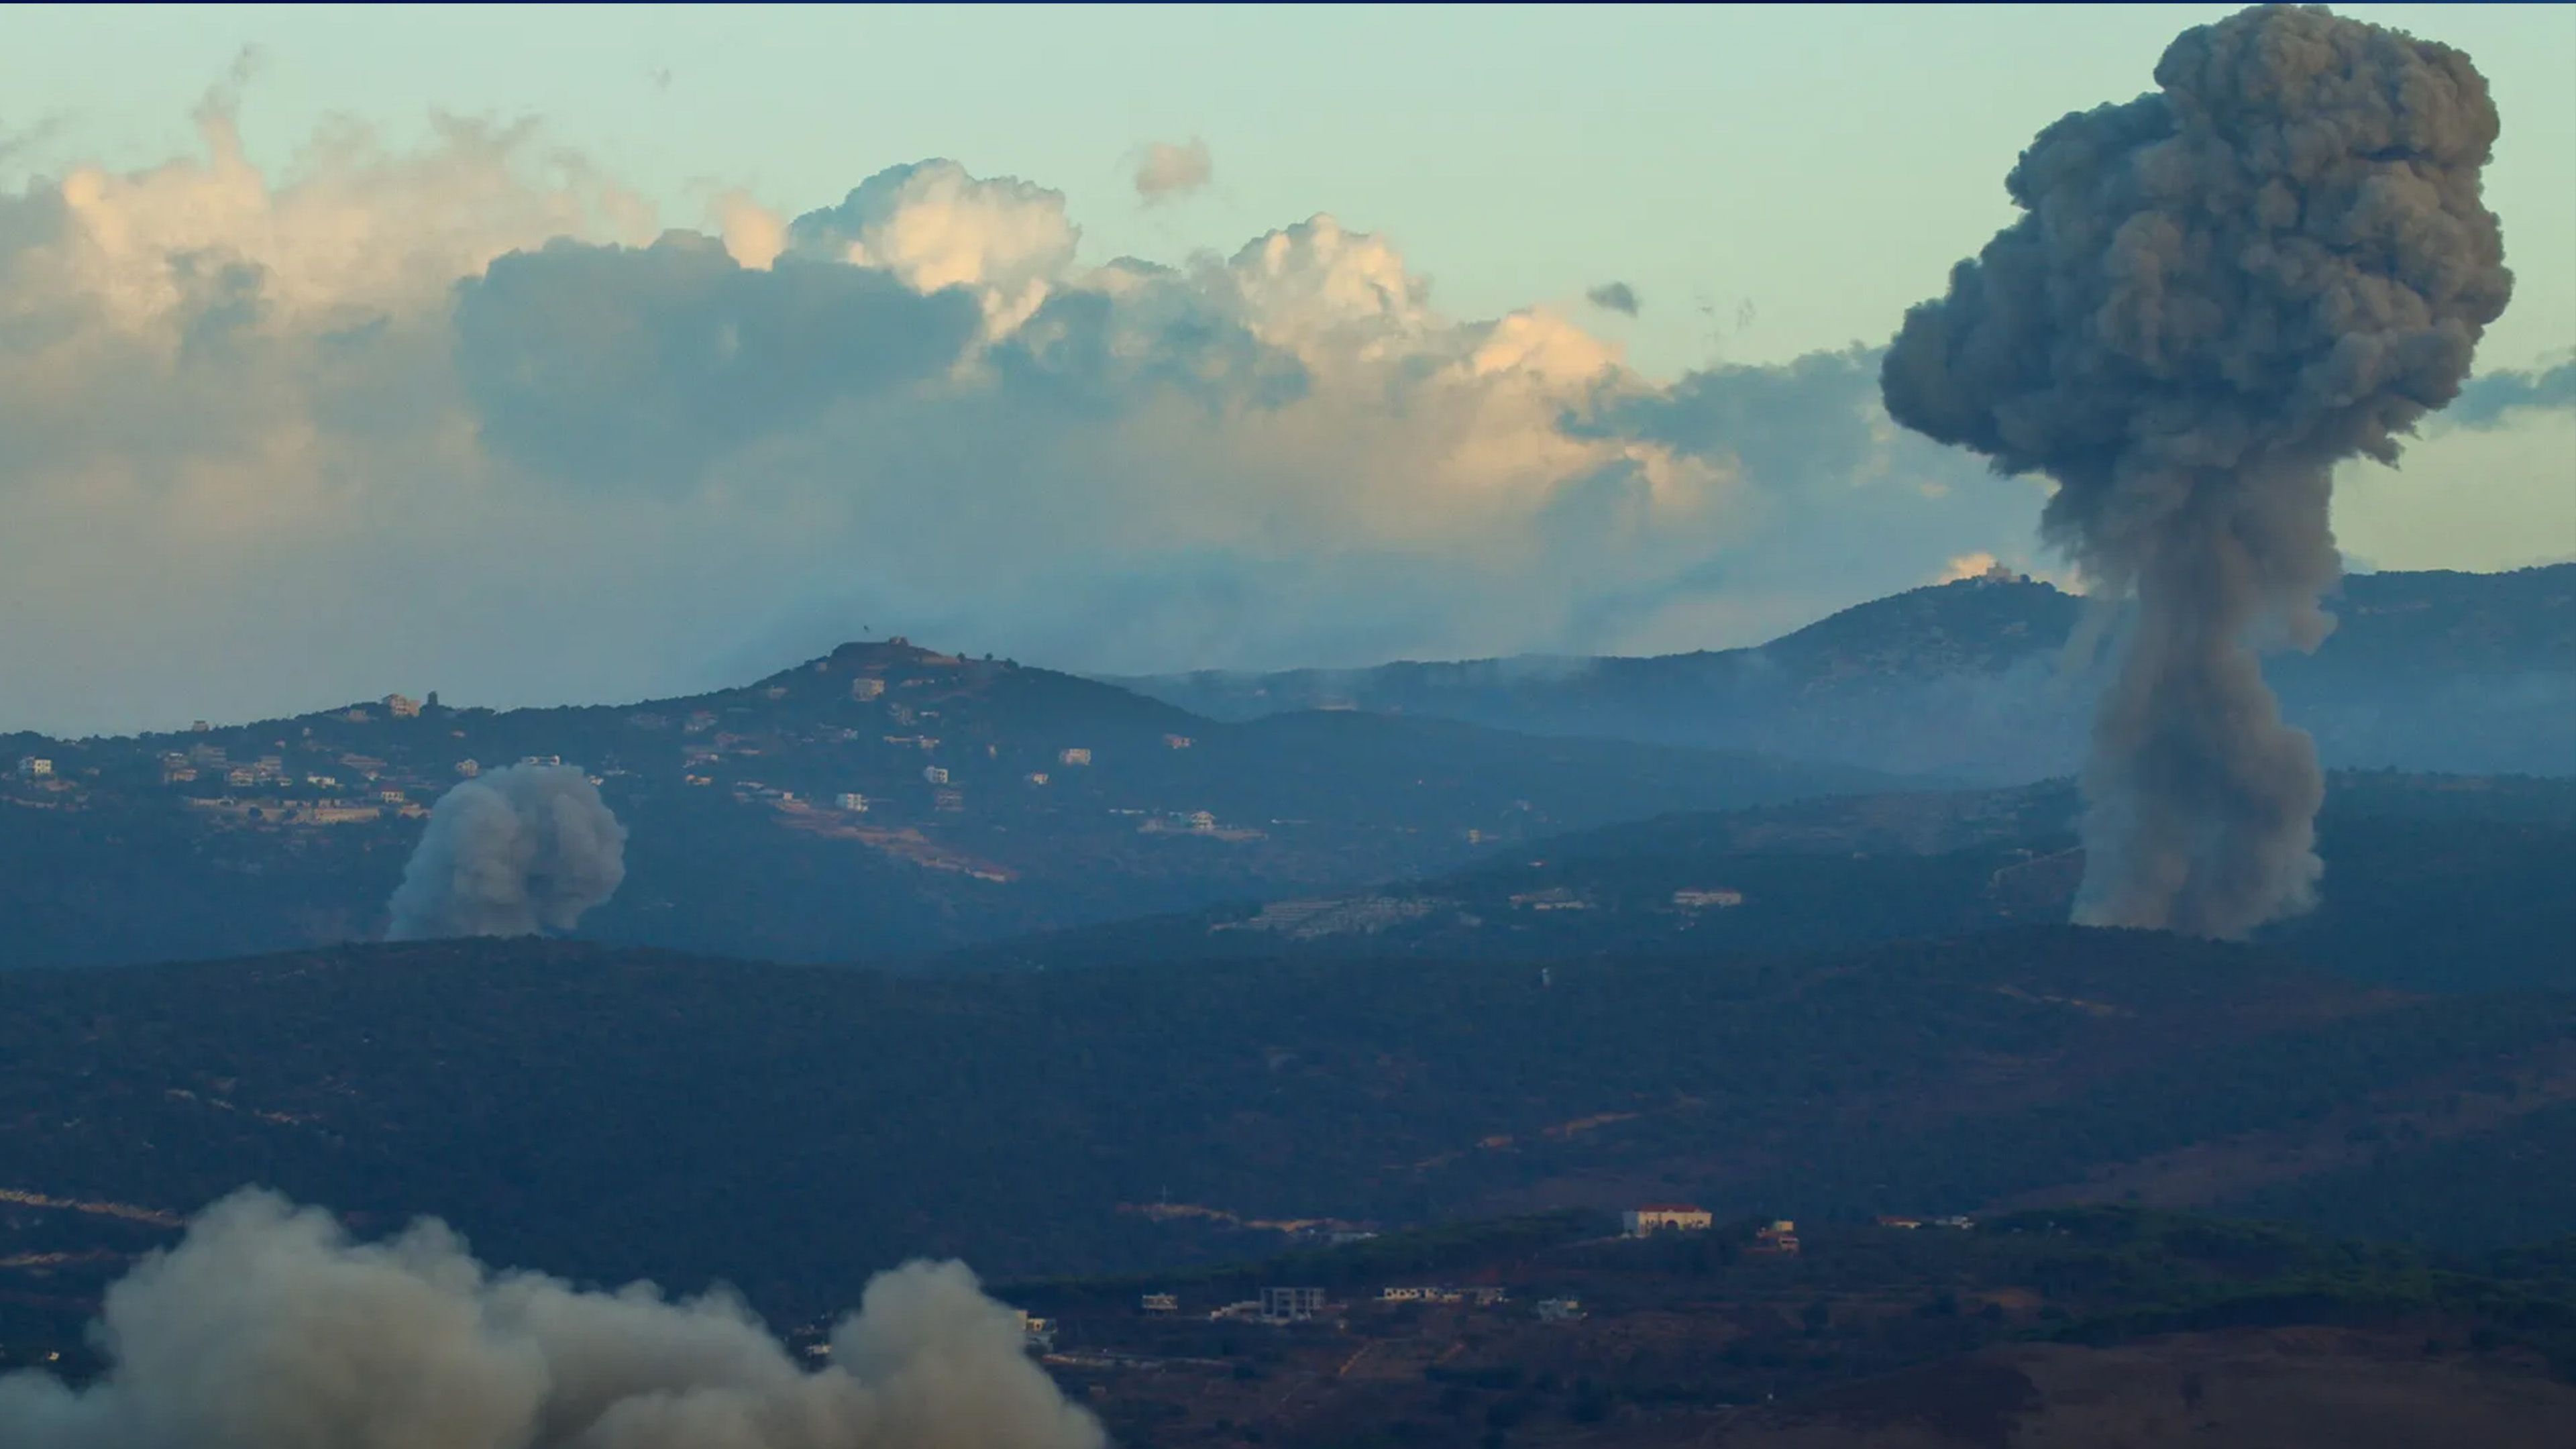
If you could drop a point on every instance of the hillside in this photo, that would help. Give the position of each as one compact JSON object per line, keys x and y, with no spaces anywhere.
{"x":2061,"y":1327}
{"x":2432,"y":883}
{"x":2468,"y":673}
{"x":990,"y":800}
{"x":612,"y":1113}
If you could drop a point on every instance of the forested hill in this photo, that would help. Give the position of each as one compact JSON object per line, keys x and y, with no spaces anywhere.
{"x":612,"y":1113}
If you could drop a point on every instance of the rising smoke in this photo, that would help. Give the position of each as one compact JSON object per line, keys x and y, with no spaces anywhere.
{"x":524,"y":849}
{"x":267,"y":1328}
{"x":2215,"y":293}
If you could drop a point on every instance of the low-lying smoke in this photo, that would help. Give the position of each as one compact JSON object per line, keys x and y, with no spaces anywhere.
{"x":2215,"y":293}
{"x":524,"y":849}
{"x":268,"y":1328}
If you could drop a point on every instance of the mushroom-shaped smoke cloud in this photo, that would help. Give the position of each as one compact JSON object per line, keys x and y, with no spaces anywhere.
{"x":520,"y":850}
{"x":2216,"y":292}
{"x":267,"y":1328}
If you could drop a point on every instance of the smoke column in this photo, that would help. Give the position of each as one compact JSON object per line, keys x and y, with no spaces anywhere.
{"x":522,"y":849}
{"x":266,"y":1328}
{"x":2215,"y":293}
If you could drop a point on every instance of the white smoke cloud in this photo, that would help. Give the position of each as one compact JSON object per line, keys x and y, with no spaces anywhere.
{"x":524,"y":849}
{"x":269,"y":1328}
{"x":1168,"y":170}
{"x":459,"y":409}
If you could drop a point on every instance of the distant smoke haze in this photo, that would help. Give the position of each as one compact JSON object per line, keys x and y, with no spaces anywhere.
{"x":1616,"y":297}
{"x":269,"y":1328}
{"x":523,"y":849}
{"x":2217,"y":292}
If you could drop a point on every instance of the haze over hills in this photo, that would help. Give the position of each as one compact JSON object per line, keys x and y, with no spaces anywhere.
{"x":2435,"y":883}
{"x":1974,"y":680}
{"x":883,"y":800}
{"x":1000,"y":800}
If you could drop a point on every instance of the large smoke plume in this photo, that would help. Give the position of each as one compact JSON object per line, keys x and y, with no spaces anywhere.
{"x":522,"y":849}
{"x":267,"y":1328}
{"x":2216,"y":292}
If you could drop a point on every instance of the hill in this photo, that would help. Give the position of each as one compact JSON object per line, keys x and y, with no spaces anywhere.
{"x":879,"y":801}
{"x":2432,"y":883}
{"x":2081,"y":1326}
{"x":610,"y":1113}
{"x":1974,"y":680}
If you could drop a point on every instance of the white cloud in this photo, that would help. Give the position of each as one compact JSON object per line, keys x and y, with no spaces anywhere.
{"x":935,"y":226}
{"x":444,"y":420}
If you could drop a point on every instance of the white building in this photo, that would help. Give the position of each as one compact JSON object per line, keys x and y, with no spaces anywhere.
{"x":1696,"y":900}
{"x":30,"y":767}
{"x":1290,"y":1305}
{"x":1203,"y":822}
{"x":935,"y":774}
{"x":1073,"y":757}
{"x":1177,"y":742}
{"x":402,"y":706}
{"x":852,"y":801}
{"x":866,"y":687}
{"x":468,"y":769}
{"x":1665,"y":1217}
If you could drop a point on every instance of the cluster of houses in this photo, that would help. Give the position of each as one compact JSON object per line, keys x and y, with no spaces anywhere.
{"x":1297,"y":1304}
{"x":290,"y":795}
{"x":1777,"y":1236}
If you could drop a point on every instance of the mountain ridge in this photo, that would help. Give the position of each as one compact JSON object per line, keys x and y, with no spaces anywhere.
{"x":1974,"y":680}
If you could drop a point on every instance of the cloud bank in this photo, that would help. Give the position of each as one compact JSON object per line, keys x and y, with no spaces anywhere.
{"x":268,"y":1328}
{"x":472,"y":419}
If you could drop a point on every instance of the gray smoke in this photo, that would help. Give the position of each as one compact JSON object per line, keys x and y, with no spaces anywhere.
{"x":2216,"y":292}
{"x":522,"y":849}
{"x":1614,"y":297}
{"x":267,"y":1328}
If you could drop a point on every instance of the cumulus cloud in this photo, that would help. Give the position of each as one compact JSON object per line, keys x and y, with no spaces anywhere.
{"x":1614,"y":297}
{"x":268,"y":1327}
{"x":473,"y":418}
{"x":1167,"y":170}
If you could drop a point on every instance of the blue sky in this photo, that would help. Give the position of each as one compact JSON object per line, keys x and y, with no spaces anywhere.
{"x":355,"y":497}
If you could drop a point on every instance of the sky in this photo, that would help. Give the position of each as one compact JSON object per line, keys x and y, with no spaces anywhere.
{"x":298,"y":404}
